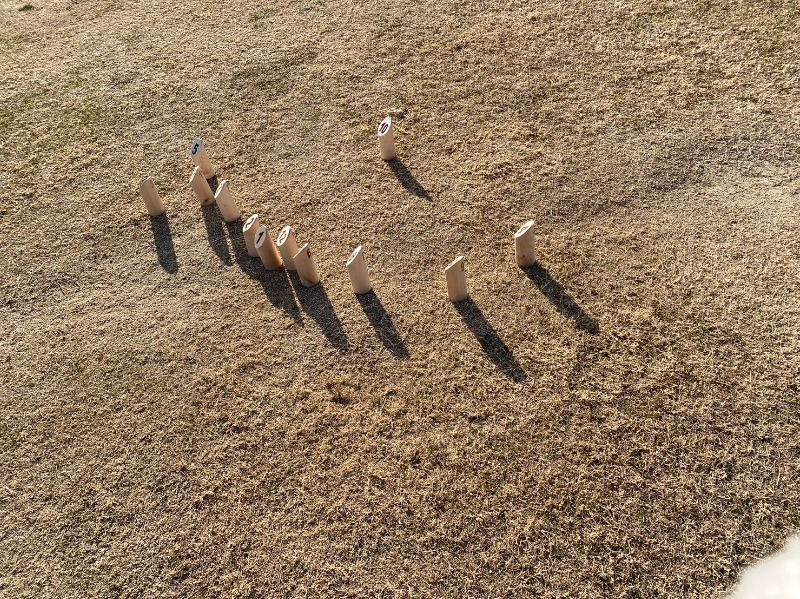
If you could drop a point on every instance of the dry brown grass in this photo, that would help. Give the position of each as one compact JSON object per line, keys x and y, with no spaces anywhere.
{"x":622,"y":421}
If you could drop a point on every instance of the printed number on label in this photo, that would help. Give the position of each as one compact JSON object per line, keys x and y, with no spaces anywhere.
{"x":196,"y":147}
{"x":384,"y":127}
{"x":260,"y":235}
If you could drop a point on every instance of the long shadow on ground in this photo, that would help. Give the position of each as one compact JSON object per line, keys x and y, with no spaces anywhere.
{"x":274,"y":282}
{"x":493,"y":346}
{"x":216,"y":234}
{"x":563,"y":302}
{"x":165,"y":249}
{"x":383,"y":325}
{"x":315,"y":302}
{"x":407,"y":179}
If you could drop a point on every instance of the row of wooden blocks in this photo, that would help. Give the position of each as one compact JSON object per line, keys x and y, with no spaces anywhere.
{"x":286,"y":253}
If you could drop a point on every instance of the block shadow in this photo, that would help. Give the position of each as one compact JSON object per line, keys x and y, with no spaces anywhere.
{"x":563,"y":302}
{"x":315,"y":302}
{"x":165,"y":249}
{"x":407,"y":179}
{"x":491,"y":343}
{"x":216,"y":234}
{"x":383,"y":325}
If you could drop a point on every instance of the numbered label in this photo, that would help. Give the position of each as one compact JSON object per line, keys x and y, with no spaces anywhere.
{"x":250,"y":221}
{"x":259,"y":237}
{"x":384,"y":126}
{"x":197,"y":146}
{"x":284,"y":235}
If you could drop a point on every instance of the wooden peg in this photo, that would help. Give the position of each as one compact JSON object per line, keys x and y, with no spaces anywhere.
{"x":288,"y":247}
{"x":249,"y":230}
{"x":200,"y":158}
{"x":201,"y":187}
{"x":306,"y":268}
{"x":149,"y":193}
{"x":270,"y":257}
{"x":227,"y":207}
{"x":386,"y":139}
{"x":525,"y":244}
{"x":357,"y":270}
{"x":456,"y":280}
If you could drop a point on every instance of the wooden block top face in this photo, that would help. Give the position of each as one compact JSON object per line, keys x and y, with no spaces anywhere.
{"x":303,"y":250}
{"x":222,"y":186}
{"x":385,"y":126}
{"x":248,"y":224}
{"x":147,"y":184}
{"x":195,"y":173}
{"x":261,"y":235}
{"x":524,"y":228}
{"x":457,"y":264}
{"x":197,"y":147}
{"x":356,"y":253}
{"x":284,"y":235}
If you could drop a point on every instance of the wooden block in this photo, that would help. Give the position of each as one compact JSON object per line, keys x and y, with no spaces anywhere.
{"x":357,"y":270}
{"x":456,"y":280}
{"x":269,"y":254}
{"x":201,"y":187}
{"x":149,"y":193}
{"x":249,"y":230}
{"x":227,"y":207}
{"x":287,"y":245}
{"x":200,"y":158}
{"x":386,"y":139}
{"x":306,"y":269}
{"x":525,"y":244}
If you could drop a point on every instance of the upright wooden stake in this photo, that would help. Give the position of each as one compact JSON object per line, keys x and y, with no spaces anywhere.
{"x":525,"y":245}
{"x":288,"y":247}
{"x":200,"y":158}
{"x":152,"y":201}
{"x":270,"y":257}
{"x":456,"y":280}
{"x":201,"y":187}
{"x":386,"y":139}
{"x":249,"y":230}
{"x":357,"y":270}
{"x":306,"y":268}
{"x":227,"y":207}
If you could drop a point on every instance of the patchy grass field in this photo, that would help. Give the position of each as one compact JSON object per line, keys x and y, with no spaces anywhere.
{"x":622,"y":420}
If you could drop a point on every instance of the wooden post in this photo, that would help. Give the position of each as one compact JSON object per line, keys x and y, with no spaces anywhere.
{"x":288,"y":247}
{"x":200,"y":158}
{"x":201,"y":187}
{"x":525,"y":244}
{"x":456,"y":280}
{"x":357,"y":270}
{"x":270,"y":257}
{"x":249,"y":230}
{"x":227,"y":207}
{"x":386,"y":139}
{"x":149,"y":193}
{"x":306,"y":268}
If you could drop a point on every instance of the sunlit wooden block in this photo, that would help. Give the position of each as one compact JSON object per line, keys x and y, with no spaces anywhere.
{"x":456,"y":280}
{"x":357,"y":270}
{"x":149,"y":193}
{"x":201,"y":187}
{"x":525,"y":244}
{"x":227,"y":207}
{"x":287,"y":245}
{"x":249,"y":230}
{"x":306,"y":269}
{"x":386,"y":139}
{"x":269,"y":254}
{"x":200,"y":158}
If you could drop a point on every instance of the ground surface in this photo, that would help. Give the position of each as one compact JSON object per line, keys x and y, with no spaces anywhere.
{"x":622,"y":420}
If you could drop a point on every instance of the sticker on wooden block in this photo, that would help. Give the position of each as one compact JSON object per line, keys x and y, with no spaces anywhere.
{"x":269,"y":254}
{"x":525,"y":244}
{"x":456,"y":280}
{"x":386,"y":139}
{"x":306,"y":269}
{"x":152,"y":201}
{"x":201,"y":187}
{"x":200,"y":158}
{"x":227,"y":207}
{"x":358,"y":273}
{"x":287,"y":245}
{"x":249,"y":231}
